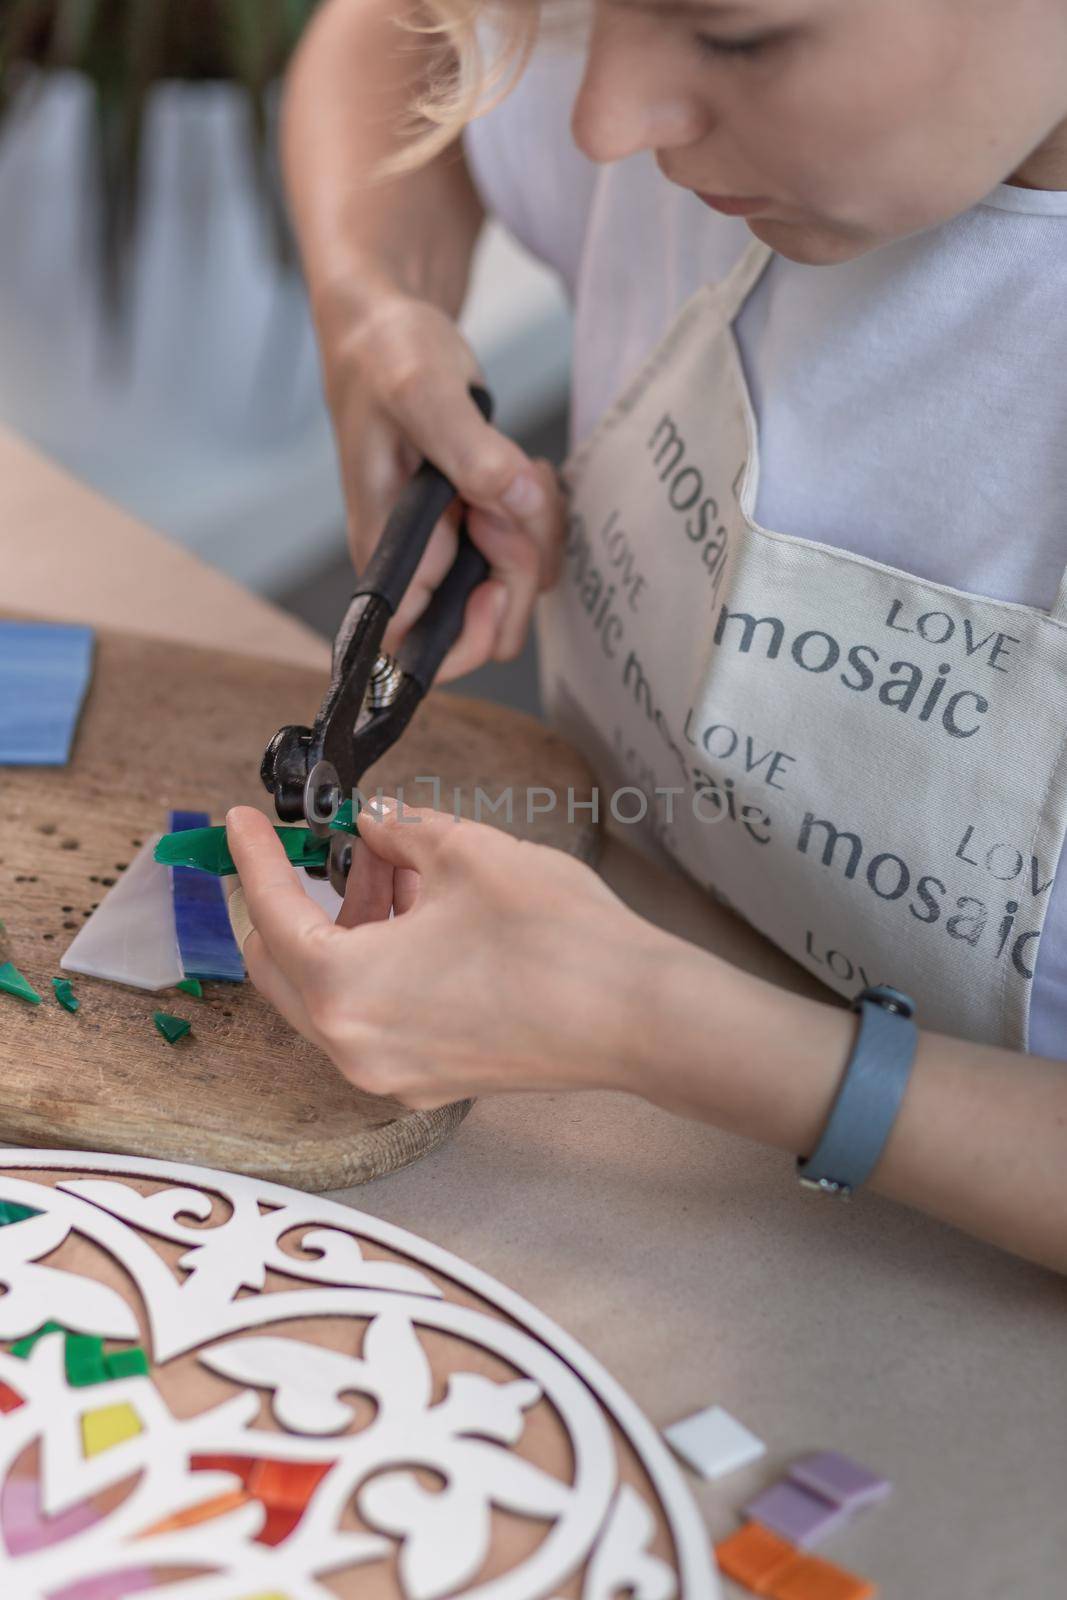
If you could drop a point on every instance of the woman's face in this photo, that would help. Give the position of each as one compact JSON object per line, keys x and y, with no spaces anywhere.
{"x":850,"y":122}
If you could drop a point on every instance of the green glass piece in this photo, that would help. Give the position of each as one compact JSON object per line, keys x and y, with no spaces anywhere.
{"x":204,"y":848}
{"x":207,"y":850}
{"x":64,"y":993}
{"x":172,"y":1028}
{"x":304,"y":849}
{"x":84,"y":1357}
{"x":127,"y":1364}
{"x":12,"y":982}
{"x":11,"y":1211}
{"x":24,"y":1346}
{"x":192,"y":986}
{"x":343,"y":821}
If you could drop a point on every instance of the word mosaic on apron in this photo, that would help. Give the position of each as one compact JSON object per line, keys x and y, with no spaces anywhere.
{"x":869,"y":767}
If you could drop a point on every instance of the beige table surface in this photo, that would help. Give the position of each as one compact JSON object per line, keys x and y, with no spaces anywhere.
{"x":686,"y":1260}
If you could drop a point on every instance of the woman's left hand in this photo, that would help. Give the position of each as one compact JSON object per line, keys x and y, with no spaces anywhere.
{"x":508,"y":965}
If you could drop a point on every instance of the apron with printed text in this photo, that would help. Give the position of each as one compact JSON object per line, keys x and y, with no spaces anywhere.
{"x":869,"y":767}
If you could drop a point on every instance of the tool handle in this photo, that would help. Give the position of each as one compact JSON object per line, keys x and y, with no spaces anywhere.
{"x":422,"y":504}
{"x":429,"y":640}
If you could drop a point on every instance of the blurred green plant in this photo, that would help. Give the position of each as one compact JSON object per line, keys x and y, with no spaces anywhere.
{"x":124,"y":48}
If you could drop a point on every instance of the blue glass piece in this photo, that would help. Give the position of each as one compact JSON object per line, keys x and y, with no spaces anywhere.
{"x":45,"y":669}
{"x":206,"y":943}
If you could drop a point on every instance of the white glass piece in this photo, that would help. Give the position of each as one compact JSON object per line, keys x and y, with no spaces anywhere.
{"x":714,"y":1443}
{"x":130,"y":937}
{"x":322,"y":892}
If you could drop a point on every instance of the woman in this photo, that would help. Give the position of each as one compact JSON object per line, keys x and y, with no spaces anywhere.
{"x":820,"y":454}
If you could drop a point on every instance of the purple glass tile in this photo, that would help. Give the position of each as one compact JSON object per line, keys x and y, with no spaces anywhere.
{"x":27,"y":1529}
{"x":795,"y":1513}
{"x":840,"y":1479}
{"x":109,"y":1585}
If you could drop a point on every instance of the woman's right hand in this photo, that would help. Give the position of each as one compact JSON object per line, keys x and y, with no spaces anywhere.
{"x":397,"y":377}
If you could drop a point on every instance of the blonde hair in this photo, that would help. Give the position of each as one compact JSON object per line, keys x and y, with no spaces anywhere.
{"x":463,"y":83}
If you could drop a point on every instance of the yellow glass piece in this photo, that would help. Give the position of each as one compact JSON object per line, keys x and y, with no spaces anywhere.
{"x":111,"y":1425}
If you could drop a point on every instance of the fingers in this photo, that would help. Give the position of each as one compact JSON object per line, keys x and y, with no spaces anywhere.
{"x":524,"y":564}
{"x":287,"y":919}
{"x":551,"y":552}
{"x":488,"y":470}
{"x":274,"y":986}
{"x":237,"y":911}
{"x":407,"y":395}
{"x":369,"y":891}
{"x":262,"y":970}
{"x":477,"y":642}
{"x":406,"y":885}
{"x":419,"y":366}
{"x":411,"y":838}
{"x":436,"y":560}
{"x":515,"y":561}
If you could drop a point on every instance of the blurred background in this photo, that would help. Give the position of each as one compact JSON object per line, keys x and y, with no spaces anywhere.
{"x":154,"y":333}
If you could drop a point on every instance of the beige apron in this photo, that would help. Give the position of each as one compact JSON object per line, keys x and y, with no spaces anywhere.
{"x":869,"y":767}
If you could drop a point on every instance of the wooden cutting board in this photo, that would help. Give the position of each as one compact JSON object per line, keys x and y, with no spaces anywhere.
{"x":172,"y":726}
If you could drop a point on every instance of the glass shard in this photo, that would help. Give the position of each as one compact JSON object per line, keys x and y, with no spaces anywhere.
{"x":64,"y":993}
{"x":13,"y":982}
{"x":172,"y":1028}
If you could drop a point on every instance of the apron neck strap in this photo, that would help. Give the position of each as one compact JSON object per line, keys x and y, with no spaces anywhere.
{"x":1058,"y":609}
{"x":739,"y":283}
{"x":735,"y":289}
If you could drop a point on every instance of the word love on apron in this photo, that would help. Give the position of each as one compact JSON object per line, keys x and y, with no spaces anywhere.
{"x":869,"y":767}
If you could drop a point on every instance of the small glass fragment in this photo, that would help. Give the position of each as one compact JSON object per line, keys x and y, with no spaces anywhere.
{"x":22,"y":1347}
{"x":10,"y":1399}
{"x":127,"y":1363}
{"x":64,"y":993}
{"x":192,"y":986}
{"x":13,"y":982}
{"x":12,"y":1211}
{"x":172,"y":1028}
{"x":84,"y":1360}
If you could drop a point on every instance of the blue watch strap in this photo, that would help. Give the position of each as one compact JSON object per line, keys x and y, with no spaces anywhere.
{"x":866,"y":1106}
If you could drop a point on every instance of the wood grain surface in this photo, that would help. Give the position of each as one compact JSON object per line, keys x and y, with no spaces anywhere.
{"x":173,"y":726}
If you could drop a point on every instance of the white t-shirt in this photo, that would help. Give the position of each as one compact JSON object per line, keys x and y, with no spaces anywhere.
{"x":921,"y":386}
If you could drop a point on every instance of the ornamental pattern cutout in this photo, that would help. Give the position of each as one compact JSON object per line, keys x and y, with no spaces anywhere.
{"x":214,"y":1388}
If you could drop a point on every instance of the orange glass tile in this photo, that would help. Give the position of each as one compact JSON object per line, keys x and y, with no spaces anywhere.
{"x":754,"y":1556}
{"x":810,"y":1578}
{"x":278,"y":1523}
{"x":9,"y":1400}
{"x":204,"y":1512}
{"x":286,"y":1484}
